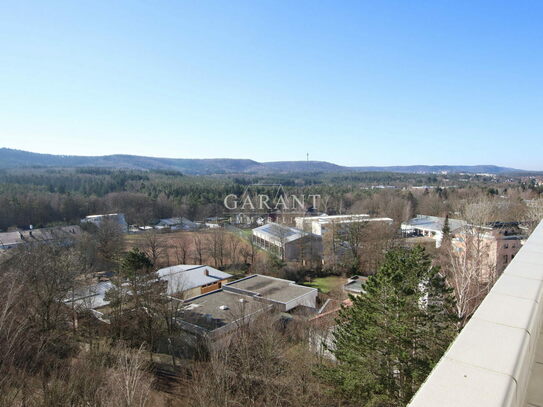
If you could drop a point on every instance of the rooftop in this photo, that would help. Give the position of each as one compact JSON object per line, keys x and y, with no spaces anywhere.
{"x":279,"y":232}
{"x":434,"y":223}
{"x":355,"y":284}
{"x":352,"y":220}
{"x":90,"y":297}
{"x":219,"y":308}
{"x":271,"y":288}
{"x":176,"y":221}
{"x":102,"y":215}
{"x":185,"y":277}
{"x":36,"y":235}
{"x":335,"y":217}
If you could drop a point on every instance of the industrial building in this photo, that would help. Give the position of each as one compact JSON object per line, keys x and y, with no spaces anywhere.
{"x":320,"y":225}
{"x":290,"y":244}
{"x":116,"y":217}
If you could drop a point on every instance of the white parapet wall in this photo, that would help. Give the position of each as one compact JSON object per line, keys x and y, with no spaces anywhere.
{"x":497,"y":359}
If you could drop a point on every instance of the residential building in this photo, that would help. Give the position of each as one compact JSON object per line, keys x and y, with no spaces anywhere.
{"x":61,"y":234}
{"x":290,"y":244}
{"x":430,"y":226}
{"x":98,"y":219}
{"x":496,"y":244}
{"x":192,"y":280}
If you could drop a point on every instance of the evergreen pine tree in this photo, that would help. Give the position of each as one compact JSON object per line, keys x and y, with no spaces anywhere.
{"x":388,"y":341}
{"x":446,"y":228}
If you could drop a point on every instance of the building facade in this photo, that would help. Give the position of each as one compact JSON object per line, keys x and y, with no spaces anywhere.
{"x":287,"y":243}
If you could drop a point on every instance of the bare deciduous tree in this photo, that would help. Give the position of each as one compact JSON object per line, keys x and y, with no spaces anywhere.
{"x":130,"y":383}
{"x":154,"y":248}
{"x":217,"y":246}
{"x":199,"y":248}
{"x":467,"y":260}
{"x":182,"y":250}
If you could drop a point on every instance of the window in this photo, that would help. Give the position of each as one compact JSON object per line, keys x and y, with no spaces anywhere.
{"x":505,"y":258}
{"x":506,"y":245}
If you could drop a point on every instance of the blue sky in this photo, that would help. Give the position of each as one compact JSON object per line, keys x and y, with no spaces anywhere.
{"x":355,"y":83}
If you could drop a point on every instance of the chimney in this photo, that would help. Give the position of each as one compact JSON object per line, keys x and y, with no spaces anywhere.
{"x":206,"y":271}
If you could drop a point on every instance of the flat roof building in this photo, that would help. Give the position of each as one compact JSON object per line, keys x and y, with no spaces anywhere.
{"x":285,"y":294}
{"x":214,"y":314}
{"x":319,"y":225}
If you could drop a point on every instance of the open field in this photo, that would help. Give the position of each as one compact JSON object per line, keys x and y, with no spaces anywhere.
{"x":172,"y":244}
{"x":326,"y":284}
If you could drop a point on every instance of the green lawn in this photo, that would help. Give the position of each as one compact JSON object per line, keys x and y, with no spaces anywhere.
{"x":326,"y":284}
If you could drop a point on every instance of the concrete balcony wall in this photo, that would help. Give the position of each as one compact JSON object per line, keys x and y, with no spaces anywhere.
{"x":497,"y":359}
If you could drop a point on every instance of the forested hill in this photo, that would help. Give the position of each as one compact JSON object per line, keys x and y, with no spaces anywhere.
{"x":10,"y":158}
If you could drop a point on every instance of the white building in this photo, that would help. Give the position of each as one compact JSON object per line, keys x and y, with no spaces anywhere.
{"x":288,"y":243}
{"x":318,"y":225}
{"x":430,"y":226}
{"x":98,"y":219}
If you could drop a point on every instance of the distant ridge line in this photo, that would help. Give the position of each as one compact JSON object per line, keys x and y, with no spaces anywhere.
{"x":11,"y":158}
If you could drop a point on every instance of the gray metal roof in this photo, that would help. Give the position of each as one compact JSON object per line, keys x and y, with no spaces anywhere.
{"x":90,"y":297}
{"x":176,"y":221}
{"x":356,"y":284}
{"x":10,"y":239}
{"x":278,"y":232}
{"x":185,"y":277}
{"x":219,"y":308}
{"x":434,"y":223}
{"x":275,"y":289}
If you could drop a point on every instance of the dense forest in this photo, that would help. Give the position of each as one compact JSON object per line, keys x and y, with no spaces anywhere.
{"x":49,"y":196}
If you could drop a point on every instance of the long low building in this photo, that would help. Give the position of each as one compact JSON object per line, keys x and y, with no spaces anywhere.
{"x":60,"y":234}
{"x":217,"y":313}
{"x":179,"y":223}
{"x":284,"y":294}
{"x":97,"y":220}
{"x":431,"y":226}
{"x":320,"y":225}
